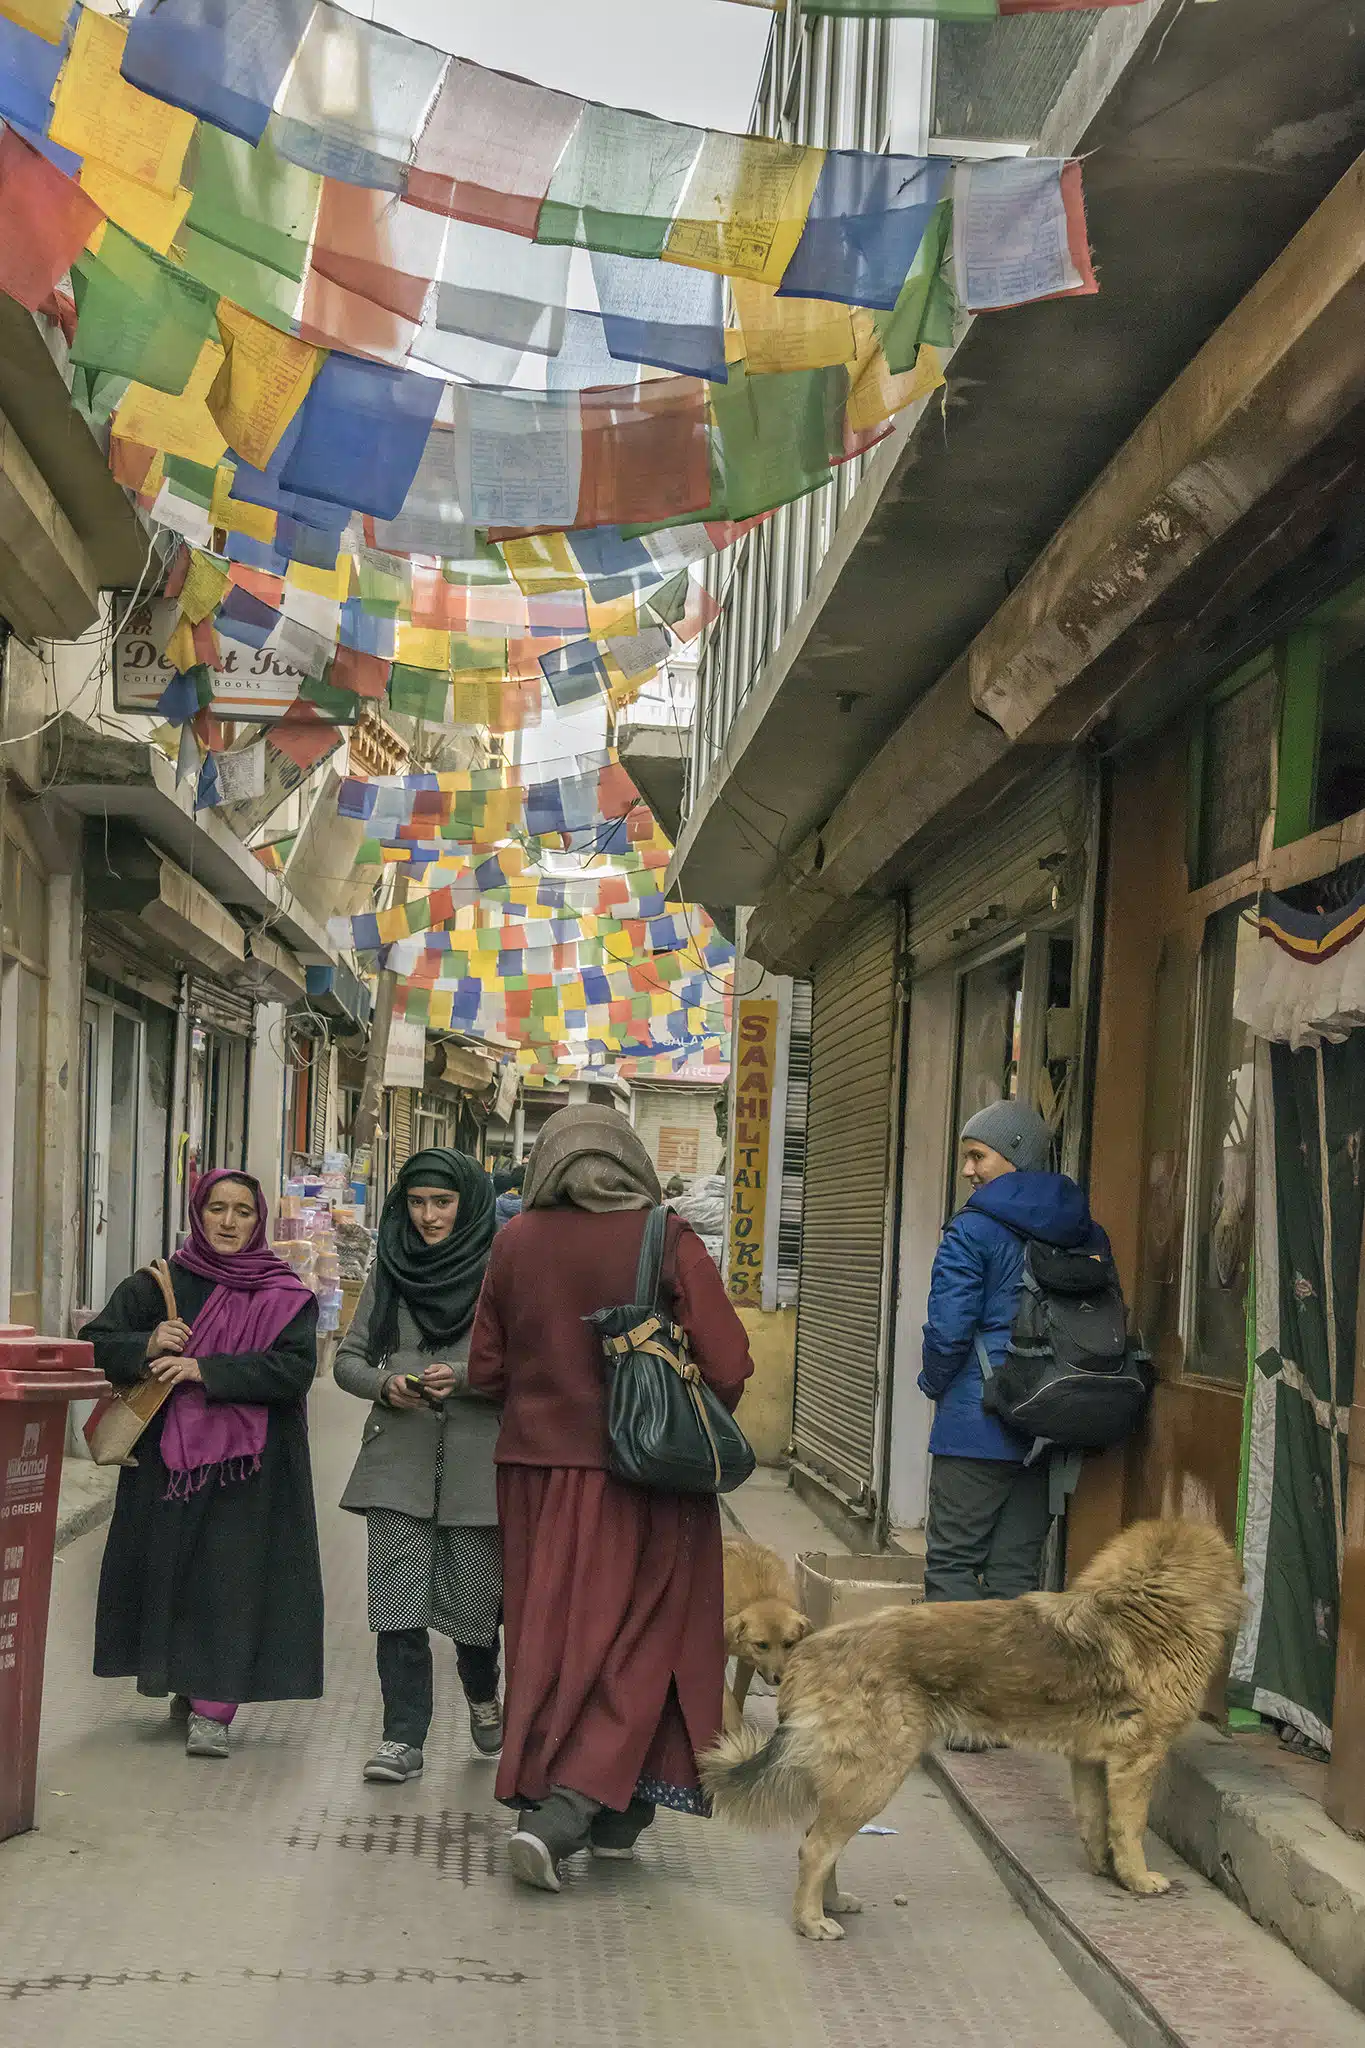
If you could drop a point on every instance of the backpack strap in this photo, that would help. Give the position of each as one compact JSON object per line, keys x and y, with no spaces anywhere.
{"x":1064,"y":1469}
{"x":650,"y":1268}
{"x":983,"y":1358}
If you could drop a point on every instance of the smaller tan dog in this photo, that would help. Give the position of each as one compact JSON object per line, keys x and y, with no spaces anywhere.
{"x":763,"y":1623}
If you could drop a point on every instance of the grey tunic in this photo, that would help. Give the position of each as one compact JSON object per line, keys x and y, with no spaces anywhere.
{"x":398,"y":1463}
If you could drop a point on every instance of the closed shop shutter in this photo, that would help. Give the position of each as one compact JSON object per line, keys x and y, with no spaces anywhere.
{"x":318,"y":1106}
{"x":841,"y":1304}
{"x":794,"y":1148}
{"x":401,"y":1143}
{"x":1003,"y":871}
{"x":220,"y":1007}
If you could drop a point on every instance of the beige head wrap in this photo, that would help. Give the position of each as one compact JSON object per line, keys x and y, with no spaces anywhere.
{"x":590,"y":1157}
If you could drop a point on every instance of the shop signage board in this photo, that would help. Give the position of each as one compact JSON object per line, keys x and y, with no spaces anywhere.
{"x":249,"y":682}
{"x":754,"y":1068}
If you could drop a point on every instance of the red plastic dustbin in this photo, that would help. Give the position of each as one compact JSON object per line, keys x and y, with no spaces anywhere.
{"x":38,"y":1376}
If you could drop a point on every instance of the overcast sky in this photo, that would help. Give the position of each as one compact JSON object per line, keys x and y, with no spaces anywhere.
{"x":685,"y":60}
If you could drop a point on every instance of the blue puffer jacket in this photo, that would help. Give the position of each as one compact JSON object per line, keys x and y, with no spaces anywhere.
{"x":975,"y":1285}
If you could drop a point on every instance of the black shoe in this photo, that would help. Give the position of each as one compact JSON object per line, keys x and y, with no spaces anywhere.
{"x":612,"y":1836}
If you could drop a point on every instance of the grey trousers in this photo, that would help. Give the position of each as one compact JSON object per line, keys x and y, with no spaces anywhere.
{"x":988,"y":1521}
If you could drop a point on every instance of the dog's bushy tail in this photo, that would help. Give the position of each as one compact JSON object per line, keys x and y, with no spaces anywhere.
{"x":758,"y":1780}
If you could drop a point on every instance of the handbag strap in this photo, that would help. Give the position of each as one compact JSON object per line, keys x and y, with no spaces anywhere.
{"x":650,"y":1268}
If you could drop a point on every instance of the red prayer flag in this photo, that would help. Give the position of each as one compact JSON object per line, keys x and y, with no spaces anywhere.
{"x":45,"y":222}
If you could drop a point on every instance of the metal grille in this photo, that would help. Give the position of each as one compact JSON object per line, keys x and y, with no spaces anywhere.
{"x":322,"y":1074}
{"x":213,"y":1003}
{"x":840,"y":1313}
{"x":997,"y":81}
{"x":794,"y":1148}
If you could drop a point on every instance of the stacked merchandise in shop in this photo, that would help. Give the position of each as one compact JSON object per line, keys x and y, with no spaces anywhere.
{"x":308,"y":1235}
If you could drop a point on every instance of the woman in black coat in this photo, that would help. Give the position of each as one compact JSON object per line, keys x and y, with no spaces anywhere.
{"x":211,"y":1587}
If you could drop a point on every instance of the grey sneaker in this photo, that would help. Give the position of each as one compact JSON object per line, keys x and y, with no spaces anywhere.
{"x":485,"y":1725}
{"x":533,"y":1861}
{"x":204,"y":1737}
{"x":393,"y":1763}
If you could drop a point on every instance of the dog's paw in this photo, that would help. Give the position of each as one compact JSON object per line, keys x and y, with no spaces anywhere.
{"x":1146,"y":1884}
{"x":843,"y":1902}
{"x":820,"y":1930}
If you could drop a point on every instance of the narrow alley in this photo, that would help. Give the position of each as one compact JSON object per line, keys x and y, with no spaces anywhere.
{"x":275,"y":1898}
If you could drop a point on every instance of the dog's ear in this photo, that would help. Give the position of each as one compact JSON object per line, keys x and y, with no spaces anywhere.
{"x":734,"y":1633}
{"x":804,"y":1627}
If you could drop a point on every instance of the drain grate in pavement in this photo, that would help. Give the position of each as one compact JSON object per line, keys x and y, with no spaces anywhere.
{"x":462,"y":1970}
{"x":463,"y":1846}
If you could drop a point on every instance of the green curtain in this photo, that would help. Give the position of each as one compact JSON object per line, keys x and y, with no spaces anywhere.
{"x":1310,"y":1200}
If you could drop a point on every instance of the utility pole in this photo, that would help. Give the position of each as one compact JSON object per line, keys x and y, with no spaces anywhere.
{"x":367,"y":1115}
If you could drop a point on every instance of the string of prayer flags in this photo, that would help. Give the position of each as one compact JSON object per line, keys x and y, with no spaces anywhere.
{"x":489,"y":148}
{"x":1019,"y":233}
{"x":356,"y":99}
{"x":363,"y":427}
{"x":866,"y":222}
{"x":264,"y":380}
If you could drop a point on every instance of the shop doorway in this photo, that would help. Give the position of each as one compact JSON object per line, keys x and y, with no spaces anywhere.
{"x":113,"y":1056}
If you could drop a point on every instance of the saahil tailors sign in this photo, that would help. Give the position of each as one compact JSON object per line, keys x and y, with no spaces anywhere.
{"x":755,"y":1064}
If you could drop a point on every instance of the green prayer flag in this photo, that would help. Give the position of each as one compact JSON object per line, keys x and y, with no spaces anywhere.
{"x":261,"y":290}
{"x":927,"y":307}
{"x":252,"y":200}
{"x":774,"y":437}
{"x":341,"y":706}
{"x":140,"y":316}
{"x":419,"y":693}
{"x":619,"y":182}
{"x":191,"y":479}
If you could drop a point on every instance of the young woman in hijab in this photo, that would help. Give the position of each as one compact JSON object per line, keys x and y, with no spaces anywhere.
{"x":612,"y":1595}
{"x":424,"y":1477}
{"x":211,"y":1589}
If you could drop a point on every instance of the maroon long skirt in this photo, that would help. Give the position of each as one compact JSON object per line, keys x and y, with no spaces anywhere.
{"x":613,"y":1625}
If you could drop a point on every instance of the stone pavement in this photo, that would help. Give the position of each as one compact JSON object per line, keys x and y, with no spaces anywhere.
{"x":276,"y":1898}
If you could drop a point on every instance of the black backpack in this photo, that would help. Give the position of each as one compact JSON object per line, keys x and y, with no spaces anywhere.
{"x":1072,"y":1375}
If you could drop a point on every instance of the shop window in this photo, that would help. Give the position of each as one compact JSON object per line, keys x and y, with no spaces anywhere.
{"x":1218,"y":1230}
{"x":1017,"y":1032}
{"x":1230,"y":773}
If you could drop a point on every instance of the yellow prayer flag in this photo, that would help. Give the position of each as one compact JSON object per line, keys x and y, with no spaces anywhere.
{"x":98,"y":114}
{"x":179,"y":649}
{"x":790,"y":334}
{"x":334,"y":583}
{"x":45,"y":18}
{"x":542,"y":562}
{"x":875,"y":391}
{"x":744,"y":206}
{"x":619,"y":615}
{"x":180,"y":425}
{"x":206,"y":579}
{"x":234,"y":515}
{"x":263,"y":382}
{"x":393,"y":923}
{"x":471,"y":698}
{"x":424,"y":647}
{"x":150,"y":215}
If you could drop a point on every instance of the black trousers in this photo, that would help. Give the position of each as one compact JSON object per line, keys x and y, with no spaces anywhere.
{"x":405,"y":1680}
{"x":988,"y":1522}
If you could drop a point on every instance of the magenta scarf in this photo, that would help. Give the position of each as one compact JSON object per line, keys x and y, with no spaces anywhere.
{"x":255,"y":1297}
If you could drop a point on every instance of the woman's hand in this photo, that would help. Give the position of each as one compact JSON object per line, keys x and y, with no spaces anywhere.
{"x":440,"y":1381}
{"x":178,"y":1372}
{"x":168,"y":1337}
{"x":396,"y":1393}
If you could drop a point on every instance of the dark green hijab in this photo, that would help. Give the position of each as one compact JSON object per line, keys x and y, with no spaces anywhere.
{"x":439,"y":1283}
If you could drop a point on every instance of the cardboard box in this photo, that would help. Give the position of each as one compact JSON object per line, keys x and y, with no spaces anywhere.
{"x":832,"y":1588}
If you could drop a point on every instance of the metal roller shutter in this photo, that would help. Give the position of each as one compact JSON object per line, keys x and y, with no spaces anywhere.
{"x":841,"y":1304}
{"x":220,"y":1007}
{"x":400,"y":1131}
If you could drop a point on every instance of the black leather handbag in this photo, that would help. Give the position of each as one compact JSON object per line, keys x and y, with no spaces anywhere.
{"x":665,"y":1428}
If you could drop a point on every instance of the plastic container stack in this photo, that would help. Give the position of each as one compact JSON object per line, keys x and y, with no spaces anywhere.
{"x":307,"y":1234}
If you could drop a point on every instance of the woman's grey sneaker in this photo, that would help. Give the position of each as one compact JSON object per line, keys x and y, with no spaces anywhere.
{"x":532,"y":1861}
{"x":393,"y":1763}
{"x":485,"y":1726}
{"x":204,"y":1737}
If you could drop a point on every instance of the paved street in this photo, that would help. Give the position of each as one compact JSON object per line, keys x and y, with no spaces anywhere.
{"x":276,"y":1897}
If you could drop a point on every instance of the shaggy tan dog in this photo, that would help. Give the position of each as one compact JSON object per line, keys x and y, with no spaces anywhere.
{"x":763,"y":1623}
{"x":1107,"y":1673}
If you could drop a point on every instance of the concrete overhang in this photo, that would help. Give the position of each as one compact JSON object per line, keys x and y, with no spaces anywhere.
{"x":103,"y":777}
{"x":1222,"y":131}
{"x":67,"y":530}
{"x":655,"y":758}
{"x":1166,"y":569}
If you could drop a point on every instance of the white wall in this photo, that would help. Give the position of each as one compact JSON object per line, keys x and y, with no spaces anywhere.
{"x":265,"y":1105}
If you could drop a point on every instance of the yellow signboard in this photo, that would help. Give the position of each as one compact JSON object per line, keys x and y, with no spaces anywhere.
{"x":755,"y":1064}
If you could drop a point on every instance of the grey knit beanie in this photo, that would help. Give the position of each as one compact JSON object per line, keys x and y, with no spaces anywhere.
{"x":1015,"y":1131}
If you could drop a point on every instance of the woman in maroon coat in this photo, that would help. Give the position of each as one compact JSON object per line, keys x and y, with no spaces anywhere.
{"x":612,"y":1595}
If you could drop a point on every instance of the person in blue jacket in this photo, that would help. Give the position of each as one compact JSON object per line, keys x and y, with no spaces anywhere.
{"x":507,"y":1189}
{"x":988,"y":1510}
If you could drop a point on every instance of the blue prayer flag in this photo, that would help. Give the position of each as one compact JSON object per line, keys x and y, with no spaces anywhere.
{"x":221,"y":59}
{"x":865,"y":224}
{"x":363,"y":427}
